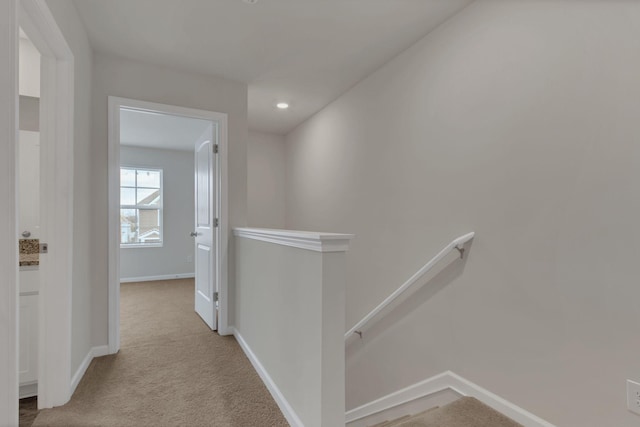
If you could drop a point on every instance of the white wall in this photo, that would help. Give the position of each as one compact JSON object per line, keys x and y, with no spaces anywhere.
{"x":86,"y":267}
{"x":290,"y":315}
{"x":517,"y":120}
{"x":266,"y":180}
{"x":130,"y":79}
{"x":175,"y":257}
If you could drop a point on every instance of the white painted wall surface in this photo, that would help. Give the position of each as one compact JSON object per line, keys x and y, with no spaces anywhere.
{"x":270,"y":308}
{"x":29,"y":80}
{"x":130,"y":79}
{"x":265,"y":180}
{"x":518,"y":120}
{"x":8,"y":213}
{"x":175,"y":257}
{"x":290,"y":313}
{"x":85,"y":265}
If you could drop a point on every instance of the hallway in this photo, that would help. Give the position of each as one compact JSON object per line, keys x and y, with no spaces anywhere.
{"x":171,"y":371}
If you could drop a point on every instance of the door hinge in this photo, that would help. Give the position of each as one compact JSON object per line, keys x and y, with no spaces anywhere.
{"x":215,"y":222}
{"x":215,"y":149}
{"x":215,"y":297}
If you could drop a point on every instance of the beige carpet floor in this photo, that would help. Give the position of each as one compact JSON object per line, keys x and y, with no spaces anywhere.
{"x":171,"y":371}
{"x":464,"y":412}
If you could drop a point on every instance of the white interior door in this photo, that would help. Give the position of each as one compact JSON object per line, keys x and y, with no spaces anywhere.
{"x":29,"y":186}
{"x":205,"y":233}
{"x":29,"y":276}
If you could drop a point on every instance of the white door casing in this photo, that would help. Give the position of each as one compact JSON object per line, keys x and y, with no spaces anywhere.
{"x":205,"y":234}
{"x":8,"y":213}
{"x":221,"y":252}
{"x":56,"y":201}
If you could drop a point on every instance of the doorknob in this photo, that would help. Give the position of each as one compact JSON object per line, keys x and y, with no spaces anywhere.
{"x":193,"y":234}
{"x":26,"y":234}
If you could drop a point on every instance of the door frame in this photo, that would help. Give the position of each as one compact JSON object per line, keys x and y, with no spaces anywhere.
{"x":222,"y":243}
{"x":56,"y":189}
{"x":8,"y":212}
{"x":56,"y":133}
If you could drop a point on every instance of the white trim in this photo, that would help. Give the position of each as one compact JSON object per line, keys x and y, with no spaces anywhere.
{"x":57,"y":139}
{"x":311,"y":240}
{"x":28,"y":390}
{"x":114,"y":205}
{"x":516,"y":413}
{"x":222,"y":242}
{"x":81,"y":370}
{"x":98,"y":351}
{"x":9,"y":389}
{"x":424,"y":388}
{"x":442,"y":382}
{"x":140,"y":245}
{"x":113,"y":172}
{"x":288,"y":412}
{"x":154,"y":278}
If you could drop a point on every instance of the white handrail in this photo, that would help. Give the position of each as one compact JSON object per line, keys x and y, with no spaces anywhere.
{"x":456,"y":244}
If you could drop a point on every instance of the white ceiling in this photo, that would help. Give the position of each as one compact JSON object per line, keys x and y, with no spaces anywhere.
{"x":156,"y":130}
{"x":306,"y":52}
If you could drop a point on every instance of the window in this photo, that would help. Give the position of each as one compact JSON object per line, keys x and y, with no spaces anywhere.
{"x":140,"y":207}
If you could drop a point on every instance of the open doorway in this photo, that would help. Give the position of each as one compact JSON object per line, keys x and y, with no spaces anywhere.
{"x":56,"y":124}
{"x":167,"y":215}
{"x":43,"y":172}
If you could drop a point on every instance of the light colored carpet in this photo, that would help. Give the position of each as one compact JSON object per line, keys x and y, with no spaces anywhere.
{"x":464,"y":412}
{"x":171,"y":371}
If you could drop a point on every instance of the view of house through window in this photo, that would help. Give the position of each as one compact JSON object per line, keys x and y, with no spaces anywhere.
{"x":140,"y":207}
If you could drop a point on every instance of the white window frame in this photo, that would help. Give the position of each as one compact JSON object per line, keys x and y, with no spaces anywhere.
{"x":159,"y":208}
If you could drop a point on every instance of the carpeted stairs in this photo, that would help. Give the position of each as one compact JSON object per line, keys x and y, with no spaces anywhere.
{"x":464,"y":412}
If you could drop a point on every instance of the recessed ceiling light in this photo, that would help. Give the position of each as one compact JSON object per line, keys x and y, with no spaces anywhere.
{"x":250,"y":1}
{"x":282,"y":105}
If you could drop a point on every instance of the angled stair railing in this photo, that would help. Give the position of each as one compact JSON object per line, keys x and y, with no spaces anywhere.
{"x":457,"y":244}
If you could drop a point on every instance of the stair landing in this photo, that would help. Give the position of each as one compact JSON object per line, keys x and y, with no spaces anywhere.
{"x":464,"y":412}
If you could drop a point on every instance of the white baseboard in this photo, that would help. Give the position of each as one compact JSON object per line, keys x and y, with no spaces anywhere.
{"x":447,"y":381}
{"x":516,"y":413}
{"x":28,"y":390}
{"x":428,"y":387}
{"x":153,"y":278}
{"x":98,"y":351}
{"x":101,"y":350}
{"x":282,"y":402}
{"x":229,"y":330}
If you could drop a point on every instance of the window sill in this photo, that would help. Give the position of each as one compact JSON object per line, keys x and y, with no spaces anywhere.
{"x":140,"y":245}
